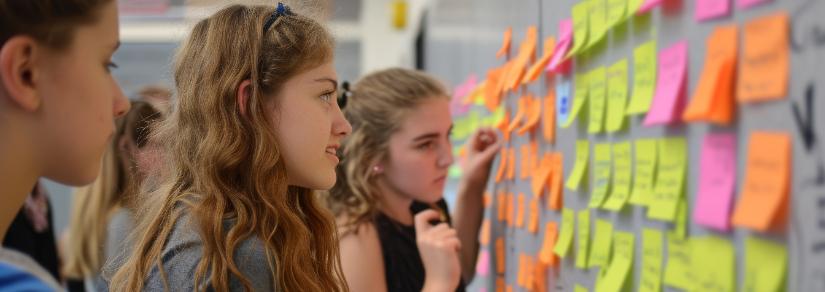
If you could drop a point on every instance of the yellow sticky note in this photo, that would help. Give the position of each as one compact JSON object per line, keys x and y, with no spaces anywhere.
{"x":651,"y":279}
{"x":680,"y":228}
{"x":678,"y":269}
{"x":615,"y":12}
{"x":583,"y":238}
{"x":597,"y":95}
{"x":580,"y":169}
{"x":580,"y":288}
{"x":598,"y":21}
{"x":713,"y":264}
{"x":645,"y":171}
{"x":670,"y":179}
{"x":616,"y":96}
{"x":633,"y":6}
{"x":620,"y":265}
{"x":602,"y":244}
{"x":580,"y":15}
{"x":568,"y":225}
{"x":765,"y":265}
{"x":644,"y":78}
{"x":622,"y":167}
{"x":579,"y":98}
{"x":601,"y":173}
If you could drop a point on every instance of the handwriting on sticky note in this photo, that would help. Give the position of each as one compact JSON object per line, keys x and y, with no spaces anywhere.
{"x":583,"y":238}
{"x":580,"y":168}
{"x":670,"y":179}
{"x":717,"y":180}
{"x":678,"y":268}
{"x":652,"y":252}
{"x":765,"y":265}
{"x":670,"y":87}
{"x":601,"y":172}
{"x":598,"y":21}
{"x":597,"y":95}
{"x":602,"y":244}
{"x":713,"y":264}
{"x":622,"y":167}
{"x":767,"y":181}
{"x":568,"y":226}
{"x":580,"y":15}
{"x":616,"y":96}
{"x":713,"y":99}
{"x":710,"y":9}
{"x":645,"y":171}
{"x":763,"y":71}
{"x":644,"y":78}
{"x":620,"y":265}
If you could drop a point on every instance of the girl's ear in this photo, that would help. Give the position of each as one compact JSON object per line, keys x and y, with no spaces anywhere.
{"x":18,"y":74}
{"x":244,"y":91}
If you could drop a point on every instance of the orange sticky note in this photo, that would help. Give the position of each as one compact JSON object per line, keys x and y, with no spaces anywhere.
{"x":484,"y":234}
{"x":538,"y":67}
{"x":511,"y":164}
{"x":529,"y":273}
{"x":525,"y":157}
{"x":521,"y":113}
{"x":540,"y":278}
{"x":534,"y":156}
{"x":520,"y":212}
{"x":500,"y":255}
{"x":488,"y":199}
{"x":549,"y":122}
{"x":502,"y":206}
{"x":502,"y":164}
{"x":509,"y":288}
{"x":505,"y":43}
{"x":533,"y":223}
{"x":713,"y":98}
{"x":503,"y":125}
{"x":522,"y":269}
{"x":527,"y":52}
{"x":764,"y":71}
{"x":533,"y":116}
{"x":492,"y":89}
{"x":511,"y":209}
{"x":541,"y":175}
{"x":556,"y":195}
{"x":546,"y":255}
{"x":764,"y":200}
{"x":499,"y":284}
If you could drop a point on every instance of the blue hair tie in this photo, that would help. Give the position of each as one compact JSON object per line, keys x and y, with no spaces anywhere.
{"x":282,"y":10}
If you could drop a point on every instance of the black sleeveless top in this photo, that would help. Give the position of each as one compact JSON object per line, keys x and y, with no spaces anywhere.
{"x":403,"y":268}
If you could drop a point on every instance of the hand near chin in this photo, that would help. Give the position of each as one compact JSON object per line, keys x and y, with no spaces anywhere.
{"x":481,"y":149}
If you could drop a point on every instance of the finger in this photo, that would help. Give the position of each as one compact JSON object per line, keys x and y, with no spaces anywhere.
{"x":452,"y":243}
{"x":423,"y":218}
{"x":438,"y":229}
{"x":445,"y":233}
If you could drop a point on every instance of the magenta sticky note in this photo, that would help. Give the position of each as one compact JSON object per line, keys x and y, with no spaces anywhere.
{"x":669,"y":99}
{"x":710,"y":9}
{"x":648,"y":5}
{"x":745,"y":4}
{"x":483,"y":264}
{"x":562,"y":46}
{"x":717,"y":180}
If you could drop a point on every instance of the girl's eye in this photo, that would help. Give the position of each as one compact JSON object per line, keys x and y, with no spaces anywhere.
{"x":328,"y":97}
{"x":110,"y":66}
{"x":426,"y":146}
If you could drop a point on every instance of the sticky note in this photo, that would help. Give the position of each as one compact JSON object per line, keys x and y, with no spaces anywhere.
{"x":622,"y":167}
{"x":644,"y":78}
{"x":484,"y":234}
{"x":668,"y":101}
{"x":500,"y":255}
{"x":616,"y":96}
{"x":520,"y":211}
{"x":766,"y":265}
{"x":502,"y":164}
{"x":511,"y":164}
{"x":764,"y":69}
{"x":678,"y":268}
{"x":539,"y":179}
{"x":492,"y":89}
{"x":529,"y":273}
{"x":522,"y":262}
{"x":615,"y":12}
{"x":500,"y":284}
{"x":563,"y":101}
{"x":539,"y":277}
{"x":713,"y":264}
{"x":764,"y":200}
{"x":546,"y":255}
{"x":562,"y":46}
{"x":597,"y":95}
{"x":538,"y":67}
{"x":717,"y":180}
{"x":549,"y":118}
{"x":745,"y":4}
{"x":505,"y":43}
{"x":568,"y":225}
{"x":652,"y":252}
{"x":488,"y":199}
{"x":602,"y":244}
{"x":620,"y":265}
{"x":526,"y":160}
{"x":598,"y":21}
{"x":533,"y":222}
{"x":511,"y":209}
{"x":648,"y":5}
{"x":522,"y":111}
{"x":527,"y":51}
{"x":581,"y":22}
{"x":670,"y":179}
{"x":556,"y":190}
{"x":713,"y":99}
{"x":645,"y":171}
{"x":633,"y":7}
{"x":710,"y":9}
{"x":579,"y":98}
{"x":601,"y":172}
{"x":680,"y":228}
{"x":533,"y":115}
{"x":580,"y":168}
{"x":583,"y":238}
{"x":483,"y":263}
{"x":504,"y":124}
{"x":580,"y":288}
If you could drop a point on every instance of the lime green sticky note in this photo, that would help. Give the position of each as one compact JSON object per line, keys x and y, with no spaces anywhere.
{"x":583,"y":238}
{"x":616,"y":96}
{"x":645,"y":171}
{"x":620,"y":265}
{"x":644,"y":78}
{"x":580,"y":288}
{"x":680,"y":228}
{"x":454,"y":172}
{"x":678,"y":269}
{"x":601,"y":173}
{"x":580,"y":169}
{"x":580,"y":15}
{"x":616,"y":12}
{"x":497,"y":116}
{"x":765,"y":265}
{"x":622,"y":167}
{"x":651,"y":279}
{"x":713,"y":264}
{"x":598,"y":21}
{"x":568,"y":225}
{"x":632,"y":7}
{"x":579,"y":98}
{"x":479,"y":99}
{"x":670,"y":179}
{"x":597,"y":95}
{"x":602,"y":243}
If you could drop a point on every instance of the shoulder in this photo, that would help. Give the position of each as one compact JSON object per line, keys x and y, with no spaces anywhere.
{"x":20,"y":273}
{"x":361,"y":258}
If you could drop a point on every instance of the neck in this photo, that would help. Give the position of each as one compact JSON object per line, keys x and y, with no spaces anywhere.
{"x":18,"y":173}
{"x":394,"y":204}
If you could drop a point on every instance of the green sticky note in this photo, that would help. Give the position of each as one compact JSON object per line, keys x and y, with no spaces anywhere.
{"x":765,"y":265}
{"x":580,"y":288}
{"x":454,"y":172}
{"x":622,"y":167}
{"x":620,"y":265}
{"x":678,"y":269}
{"x":597,"y":95}
{"x":644,"y":78}
{"x":616,"y":12}
{"x":670,"y":179}
{"x":645,"y":171}
{"x":580,"y":169}
{"x":680,"y":228}
{"x":713,"y":264}
{"x":651,"y":279}
{"x":601,"y":173}
{"x":497,"y":116}
{"x":602,"y":243}
{"x":616,"y":96}
{"x":633,"y":7}
{"x":579,"y":98}
{"x":568,"y":225}
{"x":580,"y":15}
{"x":598,"y":21}
{"x":583,"y":238}
{"x":479,"y":100}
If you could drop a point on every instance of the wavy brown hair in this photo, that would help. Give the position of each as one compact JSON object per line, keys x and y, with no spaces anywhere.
{"x":223,"y":164}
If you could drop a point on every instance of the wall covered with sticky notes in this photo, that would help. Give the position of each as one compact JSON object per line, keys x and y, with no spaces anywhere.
{"x":650,"y":145}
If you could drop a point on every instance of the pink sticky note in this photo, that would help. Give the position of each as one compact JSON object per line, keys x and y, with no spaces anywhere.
{"x":483,"y":264}
{"x":717,"y":180}
{"x":669,"y":99}
{"x":457,"y":106}
{"x":710,"y":9}
{"x":745,"y":4}
{"x":648,"y":5}
{"x":565,"y":39}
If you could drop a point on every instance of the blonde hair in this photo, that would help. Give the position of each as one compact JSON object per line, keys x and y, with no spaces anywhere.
{"x":227,"y":165}
{"x":376,"y":109}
